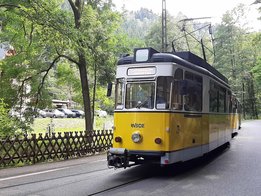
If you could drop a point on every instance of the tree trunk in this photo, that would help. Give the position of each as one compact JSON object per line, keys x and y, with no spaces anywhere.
{"x":85,"y":91}
{"x":94,"y":90}
{"x":253,"y":99}
{"x":77,"y":7}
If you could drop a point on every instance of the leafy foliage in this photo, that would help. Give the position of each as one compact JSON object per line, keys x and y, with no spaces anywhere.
{"x":8,"y":125}
{"x":236,"y":54}
{"x":43,"y":34}
{"x":137,"y":24}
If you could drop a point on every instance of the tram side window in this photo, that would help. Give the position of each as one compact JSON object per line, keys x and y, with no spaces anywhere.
{"x":229,"y":102}
{"x":119,"y":94}
{"x":234,"y":104}
{"x":213,"y":97}
{"x":193,"y":94}
{"x":177,"y":94}
{"x":222,"y":100}
{"x":239,"y":107}
{"x":217,"y":98}
{"x":163,"y":92}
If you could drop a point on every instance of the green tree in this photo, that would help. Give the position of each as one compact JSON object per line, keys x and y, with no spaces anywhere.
{"x":136,"y":24}
{"x":43,"y":34}
{"x":8,"y":125}
{"x":69,"y":81}
{"x":236,"y":55}
{"x":256,"y":70}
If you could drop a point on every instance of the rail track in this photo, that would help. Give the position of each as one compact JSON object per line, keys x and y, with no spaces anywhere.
{"x":107,"y":190}
{"x":44,"y":180}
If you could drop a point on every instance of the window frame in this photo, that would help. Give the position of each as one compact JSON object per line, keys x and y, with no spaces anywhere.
{"x":191,"y":95}
{"x":151,"y":100}
{"x":163,"y":97}
{"x":176,"y":90}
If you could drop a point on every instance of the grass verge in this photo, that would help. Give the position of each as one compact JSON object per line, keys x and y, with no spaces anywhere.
{"x":69,"y":124}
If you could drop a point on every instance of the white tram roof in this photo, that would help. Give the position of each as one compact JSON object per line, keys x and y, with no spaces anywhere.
{"x":153,"y":58}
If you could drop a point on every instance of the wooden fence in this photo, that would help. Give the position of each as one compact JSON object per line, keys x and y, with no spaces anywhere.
{"x":32,"y":149}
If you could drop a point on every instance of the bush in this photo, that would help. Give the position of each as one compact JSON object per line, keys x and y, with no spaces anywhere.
{"x":8,"y":125}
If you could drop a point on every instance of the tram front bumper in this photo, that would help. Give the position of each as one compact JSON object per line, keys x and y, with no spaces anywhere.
{"x":118,"y":158}
{"x":122,"y":157}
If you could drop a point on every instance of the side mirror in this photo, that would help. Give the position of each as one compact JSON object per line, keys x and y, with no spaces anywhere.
{"x":109,"y":89}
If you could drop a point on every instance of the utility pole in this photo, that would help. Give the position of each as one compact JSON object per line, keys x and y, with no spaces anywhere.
{"x":164,"y":27}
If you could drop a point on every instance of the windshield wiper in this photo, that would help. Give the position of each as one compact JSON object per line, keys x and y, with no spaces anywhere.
{"x":140,"y":104}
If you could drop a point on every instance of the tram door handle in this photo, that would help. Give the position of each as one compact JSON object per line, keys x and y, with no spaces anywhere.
{"x":178,"y":129}
{"x":192,"y":115}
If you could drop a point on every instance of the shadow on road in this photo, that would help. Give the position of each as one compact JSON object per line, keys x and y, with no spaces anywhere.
{"x":181,"y":169}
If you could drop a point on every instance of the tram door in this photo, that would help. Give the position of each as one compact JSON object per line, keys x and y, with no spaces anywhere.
{"x":192,"y":135}
{"x":187,"y":135}
{"x":192,"y":116}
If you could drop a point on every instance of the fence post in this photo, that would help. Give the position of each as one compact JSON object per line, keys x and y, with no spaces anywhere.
{"x":34,"y":147}
{"x":66,"y":134}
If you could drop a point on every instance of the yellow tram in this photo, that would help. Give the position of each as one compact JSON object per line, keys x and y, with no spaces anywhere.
{"x":169,"y":108}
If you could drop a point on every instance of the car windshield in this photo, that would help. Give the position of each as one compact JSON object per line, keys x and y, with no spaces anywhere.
{"x":140,"y":95}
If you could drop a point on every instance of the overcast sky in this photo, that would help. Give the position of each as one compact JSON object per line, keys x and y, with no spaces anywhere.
{"x":194,"y":8}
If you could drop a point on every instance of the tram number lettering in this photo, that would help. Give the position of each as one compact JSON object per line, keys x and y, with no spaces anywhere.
{"x":136,"y":125}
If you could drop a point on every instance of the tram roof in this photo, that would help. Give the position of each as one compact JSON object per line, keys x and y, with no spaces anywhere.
{"x":187,"y":59}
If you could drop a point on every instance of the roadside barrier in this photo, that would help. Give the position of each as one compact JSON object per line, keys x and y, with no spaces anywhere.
{"x":31,"y":149}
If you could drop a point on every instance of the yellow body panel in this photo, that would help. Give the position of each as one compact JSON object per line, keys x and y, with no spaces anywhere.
{"x":187,"y":131}
{"x":151,"y":125}
{"x":234,"y":121}
{"x":177,"y":130}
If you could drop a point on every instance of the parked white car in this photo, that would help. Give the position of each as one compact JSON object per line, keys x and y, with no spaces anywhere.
{"x":101,"y":113}
{"x":41,"y":113}
{"x":54,"y":113}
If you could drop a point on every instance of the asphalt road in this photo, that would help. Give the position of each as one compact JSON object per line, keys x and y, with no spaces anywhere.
{"x":228,"y":171}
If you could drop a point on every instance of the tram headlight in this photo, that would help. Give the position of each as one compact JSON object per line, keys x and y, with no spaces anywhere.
{"x":136,"y":137}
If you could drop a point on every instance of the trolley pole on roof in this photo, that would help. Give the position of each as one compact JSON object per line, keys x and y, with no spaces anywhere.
{"x":164,"y":27}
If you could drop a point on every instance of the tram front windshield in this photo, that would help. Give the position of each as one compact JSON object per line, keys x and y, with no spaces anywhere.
{"x":140,"y":95}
